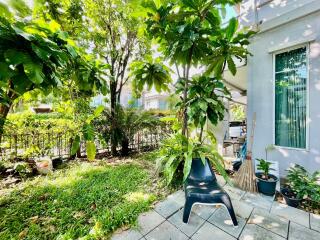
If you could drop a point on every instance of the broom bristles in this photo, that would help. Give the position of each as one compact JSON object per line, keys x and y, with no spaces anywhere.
{"x":245,"y":178}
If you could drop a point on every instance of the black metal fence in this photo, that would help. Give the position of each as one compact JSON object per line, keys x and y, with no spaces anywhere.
{"x":52,"y":144}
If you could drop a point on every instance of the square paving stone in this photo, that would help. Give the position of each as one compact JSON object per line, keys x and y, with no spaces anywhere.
{"x":148,"y":221}
{"x":204,"y":211}
{"x":315,"y":222}
{"x":221,"y":180}
{"x":166,"y":231}
{"x":178,"y":197}
{"x":298,"y":232}
{"x":290,"y":213}
{"x":234,"y":193}
{"x":254,"y":232}
{"x":258,"y":200}
{"x":209,"y":232}
{"x":241,"y":208}
{"x":127,"y":235}
{"x":167,"y":207}
{"x":195,"y":222}
{"x":222,"y":220}
{"x":270,"y":222}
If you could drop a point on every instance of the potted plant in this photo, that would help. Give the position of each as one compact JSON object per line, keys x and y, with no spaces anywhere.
{"x":266,"y":182}
{"x":297,"y":185}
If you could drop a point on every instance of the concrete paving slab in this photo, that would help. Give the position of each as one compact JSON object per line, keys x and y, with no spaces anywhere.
{"x":204,"y":211}
{"x":276,"y":224}
{"x":298,"y":232}
{"x":293,"y":214}
{"x":234,"y":193}
{"x":166,"y":231}
{"x":178,"y":197}
{"x":222,"y":220}
{"x":127,"y":235}
{"x":254,"y":232}
{"x":221,"y":180}
{"x":241,"y":208}
{"x":195,"y":222}
{"x":209,"y":231}
{"x":258,"y":200}
{"x":148,"y":221}
{"x":315,"y":222}
{"x":167,"y":207}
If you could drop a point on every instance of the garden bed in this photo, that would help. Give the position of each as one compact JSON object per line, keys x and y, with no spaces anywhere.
{"x":305,"y":205}
{"x":85,"y":199}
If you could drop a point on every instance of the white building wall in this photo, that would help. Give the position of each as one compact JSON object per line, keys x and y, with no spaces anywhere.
{"x":305,"y":29}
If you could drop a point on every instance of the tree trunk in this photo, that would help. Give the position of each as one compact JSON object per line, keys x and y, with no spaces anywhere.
{"x":113,"y":104}
{"x":125,"y":147}
{"x":4,"y":110}
{"x":185,"y":93}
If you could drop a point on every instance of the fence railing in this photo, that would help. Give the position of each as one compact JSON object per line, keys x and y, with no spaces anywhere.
{"x":52,"y":144}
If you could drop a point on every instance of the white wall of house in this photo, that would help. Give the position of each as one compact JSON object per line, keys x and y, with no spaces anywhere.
{"x":282,"y":28}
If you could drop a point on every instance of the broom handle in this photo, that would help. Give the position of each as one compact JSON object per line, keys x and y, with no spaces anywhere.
{"x":252,"y":133}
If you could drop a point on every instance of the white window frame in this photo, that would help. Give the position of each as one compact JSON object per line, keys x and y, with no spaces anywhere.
{"x":307,"y":46}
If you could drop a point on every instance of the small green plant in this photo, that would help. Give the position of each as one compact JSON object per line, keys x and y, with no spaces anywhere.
{"x":303,"y":184}
{"x":22,"y":168}
{"x":177,"y":151}
{"x":264,"y":166}
{"x":87,"y":134}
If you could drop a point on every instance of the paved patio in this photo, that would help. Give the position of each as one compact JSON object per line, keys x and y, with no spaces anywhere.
{"x":259,"y":217}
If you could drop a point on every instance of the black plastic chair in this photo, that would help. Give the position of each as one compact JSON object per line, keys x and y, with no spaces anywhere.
{"x":201,"y":187}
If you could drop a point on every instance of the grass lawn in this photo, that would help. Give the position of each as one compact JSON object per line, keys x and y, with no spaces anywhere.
{"x":83,"y":201}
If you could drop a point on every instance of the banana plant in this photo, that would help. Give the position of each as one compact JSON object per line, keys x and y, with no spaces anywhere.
{"x":87,"y":135}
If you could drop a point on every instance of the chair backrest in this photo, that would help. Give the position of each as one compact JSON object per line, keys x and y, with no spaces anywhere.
{"x":200,"y":171}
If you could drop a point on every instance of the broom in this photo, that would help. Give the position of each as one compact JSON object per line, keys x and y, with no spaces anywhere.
{"x":245,"y":178}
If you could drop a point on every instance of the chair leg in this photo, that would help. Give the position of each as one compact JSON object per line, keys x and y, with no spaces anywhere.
{"x":187,"y":210}
{"x":227,"y":202}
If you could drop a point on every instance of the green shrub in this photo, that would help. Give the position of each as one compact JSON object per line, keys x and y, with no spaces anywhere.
{"x":29,"y":122}
{"x":303,"y":184}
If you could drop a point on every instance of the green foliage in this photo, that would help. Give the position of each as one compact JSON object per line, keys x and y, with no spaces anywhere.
{"x":127,"y":122}
{"x":35,"y":55}
{"x":303,"y":184}
{"x":229,"y":43}
{"x":28,"y":122}
{"x":238,"y":113}
{"x":194,"y":27}
{"x":150,"y":73}
{"x":83,"y":201}
{"x":87,"y":134}
{"x":22,"y":168}
{"x":204,"y":100}
{"x":264,"y":166}
{"x":177,"y":151}
{"x":189,"y":33}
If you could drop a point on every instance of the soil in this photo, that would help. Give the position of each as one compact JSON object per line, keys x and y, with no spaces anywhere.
{"x":305,"y":205}
{"x":270,"y":178}
{"x":290,"y":194}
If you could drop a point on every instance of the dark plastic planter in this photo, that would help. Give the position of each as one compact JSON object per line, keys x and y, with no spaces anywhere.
{"x":267,"y":187}
{"x":290,"y":201}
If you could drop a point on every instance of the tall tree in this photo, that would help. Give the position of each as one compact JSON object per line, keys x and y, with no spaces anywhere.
{"x":35,"y":55}
{"x":114,"y":35}
{"x":190,"y":33}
